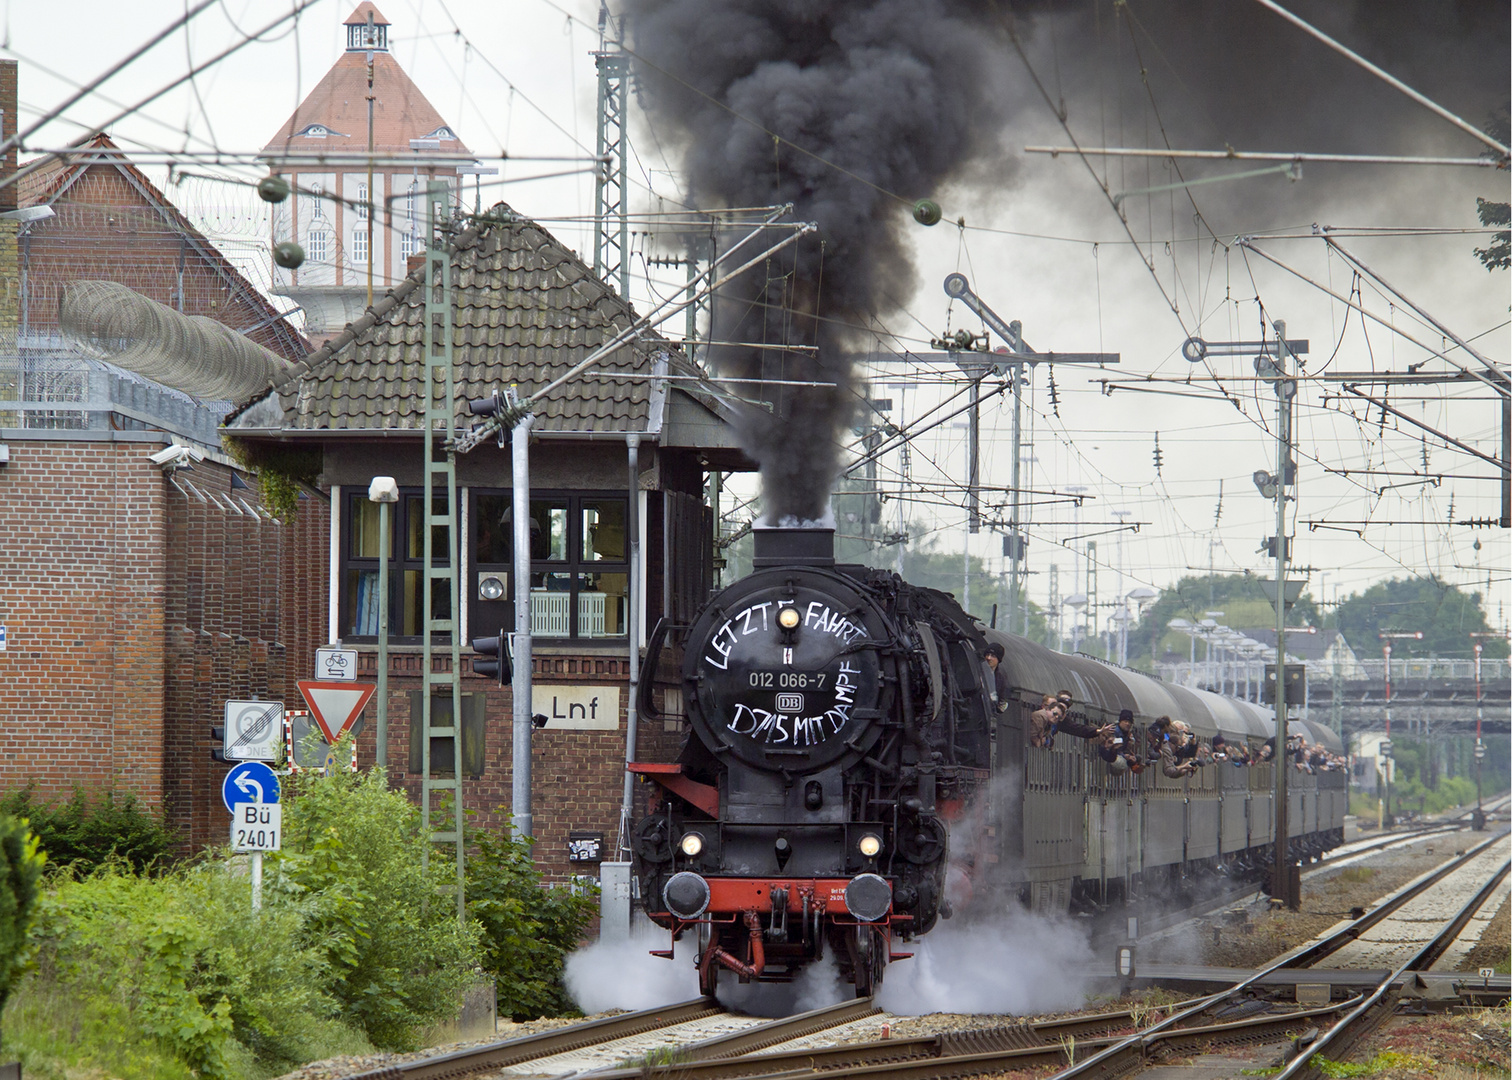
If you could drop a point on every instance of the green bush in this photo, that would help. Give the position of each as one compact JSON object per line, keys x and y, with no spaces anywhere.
{"x":20,"y":872}
{"x":172,"y":975}
{"x":352,"y":848}
{"x":527,"y":929}
{"x":86,"y":832}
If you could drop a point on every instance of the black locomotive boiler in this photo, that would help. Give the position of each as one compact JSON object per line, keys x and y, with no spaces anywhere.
{"x":844,"y":733}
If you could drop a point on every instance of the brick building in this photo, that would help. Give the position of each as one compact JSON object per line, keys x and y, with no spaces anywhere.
{"x":526,"y":310}
{"x":135,"y":594}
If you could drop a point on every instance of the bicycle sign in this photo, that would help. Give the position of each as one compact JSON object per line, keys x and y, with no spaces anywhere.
{"x":335,"y":665}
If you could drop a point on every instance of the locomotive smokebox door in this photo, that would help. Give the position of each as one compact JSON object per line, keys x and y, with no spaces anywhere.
{"x":788,"y":679}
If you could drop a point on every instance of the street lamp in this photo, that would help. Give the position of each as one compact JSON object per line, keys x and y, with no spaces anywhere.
{"x":1386,"y":640}
{"x":1076,"y":603}
{"x":385,"y":492}
{"x":1142,"y":597}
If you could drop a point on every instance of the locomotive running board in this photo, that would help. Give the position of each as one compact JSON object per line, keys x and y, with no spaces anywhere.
{"x":704,"y":796}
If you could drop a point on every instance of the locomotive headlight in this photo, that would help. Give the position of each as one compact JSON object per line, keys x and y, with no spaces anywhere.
{"x":870,"y":844}
{"x":691,"y":844}
{"x":788,"y":618}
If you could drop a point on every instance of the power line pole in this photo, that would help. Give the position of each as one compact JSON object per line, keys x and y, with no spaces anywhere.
{"x":1282,"y":885}
{"x":1012,"y":363}
{"x":611,"y":235}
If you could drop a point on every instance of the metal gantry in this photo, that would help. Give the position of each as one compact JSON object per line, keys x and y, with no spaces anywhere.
{"x":611,"y":235}
{"x":440,"y":419}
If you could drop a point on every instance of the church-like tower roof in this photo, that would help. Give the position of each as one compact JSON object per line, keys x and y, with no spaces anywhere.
{"x":333,"y":117}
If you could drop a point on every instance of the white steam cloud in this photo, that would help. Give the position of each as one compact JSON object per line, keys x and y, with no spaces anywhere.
{"x":624,"y":975}
{"x":1018,"y":964}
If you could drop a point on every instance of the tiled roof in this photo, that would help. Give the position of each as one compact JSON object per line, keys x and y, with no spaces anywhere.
{"x":359,"y":17}
{"x":339,"y":104}
{"x":527,"y":310}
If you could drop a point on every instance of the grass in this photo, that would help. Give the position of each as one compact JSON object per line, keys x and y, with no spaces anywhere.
{"x":1356,"y":875}
{"x":659,"y":1057}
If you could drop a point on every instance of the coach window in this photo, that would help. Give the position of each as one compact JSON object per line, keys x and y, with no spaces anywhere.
{"x":580,"y":574}
{"x":359,"y":571}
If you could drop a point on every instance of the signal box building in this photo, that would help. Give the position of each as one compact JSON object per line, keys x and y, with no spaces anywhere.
{"x":526,"y":310}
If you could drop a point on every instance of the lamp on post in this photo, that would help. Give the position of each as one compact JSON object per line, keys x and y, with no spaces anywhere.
{"x":1386,"y":640}
{"x":1076,"y":603}
{"x":1143,"y":597}
{"x":1185,"y":626}
{"x":385,"y":492}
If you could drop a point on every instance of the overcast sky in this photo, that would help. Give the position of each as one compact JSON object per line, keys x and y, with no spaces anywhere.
{"x":1041,"y":244}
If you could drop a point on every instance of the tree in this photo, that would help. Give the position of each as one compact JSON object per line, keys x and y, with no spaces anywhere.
{"x":1241,"y":599}
{"x":1498,"y":254}
{"x":20,"y":874}
{"x":1445,"y":616}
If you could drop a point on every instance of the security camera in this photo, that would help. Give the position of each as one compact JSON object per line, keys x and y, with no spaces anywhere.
{"x":383,"y":489}
{"x":175,"y":457}
{"x":538,"y":720}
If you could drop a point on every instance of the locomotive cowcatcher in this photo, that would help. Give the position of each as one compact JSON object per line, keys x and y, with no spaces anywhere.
{"x":840,"y":718}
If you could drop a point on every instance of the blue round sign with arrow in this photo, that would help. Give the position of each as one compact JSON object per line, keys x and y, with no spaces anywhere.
{"x":249,"y":782}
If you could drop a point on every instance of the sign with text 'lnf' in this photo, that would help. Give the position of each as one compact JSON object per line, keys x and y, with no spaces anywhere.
{"x":257,"y":827}
{"x":577,"y":708}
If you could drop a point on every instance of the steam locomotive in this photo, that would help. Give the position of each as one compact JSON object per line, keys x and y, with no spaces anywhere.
{"x":850,"y":776}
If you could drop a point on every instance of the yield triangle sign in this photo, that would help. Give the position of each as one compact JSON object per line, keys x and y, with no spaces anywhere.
{"x":335,"y":705}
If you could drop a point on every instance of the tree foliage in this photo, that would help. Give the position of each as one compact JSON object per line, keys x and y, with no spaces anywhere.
{"x":388,"y":927}
{"x":1240,"y":598}
{"x":527,"y":930}
{"x":90,"y":830}
{"x":1445,"y":615}
{"x":20,"y":873}
{"x":1497,"y":255}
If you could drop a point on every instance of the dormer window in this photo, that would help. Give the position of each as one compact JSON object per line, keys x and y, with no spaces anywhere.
{"x":364,"y":38}
{"x":444,"y":134}
{"x":313,"y":131}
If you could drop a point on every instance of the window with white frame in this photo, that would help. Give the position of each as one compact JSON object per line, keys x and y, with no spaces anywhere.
{"x":359,"y":245}
{"x":318,"y":246}
{"x":317,"y":202}
{"x":409,"y":244}
{"x":362,"y":202}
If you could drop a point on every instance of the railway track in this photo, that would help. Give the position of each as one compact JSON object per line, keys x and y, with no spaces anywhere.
{"x":700,"y":1040}
{"x":693,"y":1030}
{"x":1111,"y":1044}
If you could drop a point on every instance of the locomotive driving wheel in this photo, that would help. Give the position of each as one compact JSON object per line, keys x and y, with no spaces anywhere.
{"x":868,"y":954}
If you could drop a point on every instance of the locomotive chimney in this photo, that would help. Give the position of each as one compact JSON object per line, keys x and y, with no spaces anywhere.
{"x":785,"y":546}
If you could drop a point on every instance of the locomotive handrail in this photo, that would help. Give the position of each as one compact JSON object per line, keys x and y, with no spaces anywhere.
{"x":644,"y":702}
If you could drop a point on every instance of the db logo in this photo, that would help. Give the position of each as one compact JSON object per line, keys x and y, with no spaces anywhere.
{"x":790,"y":703}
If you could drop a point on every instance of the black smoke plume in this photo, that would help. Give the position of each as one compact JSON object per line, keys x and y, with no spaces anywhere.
{"x":851,"y":110}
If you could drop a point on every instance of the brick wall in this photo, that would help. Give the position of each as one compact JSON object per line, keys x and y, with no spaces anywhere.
{"x":577,"y":777}
{"x":109,"y":226}
{"x":133,"y":610}
{"x":82,"y":578}
{"x":243,"y":617}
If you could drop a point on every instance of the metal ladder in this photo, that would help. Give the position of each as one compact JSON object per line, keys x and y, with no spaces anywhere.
{"x":440,"y":410}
